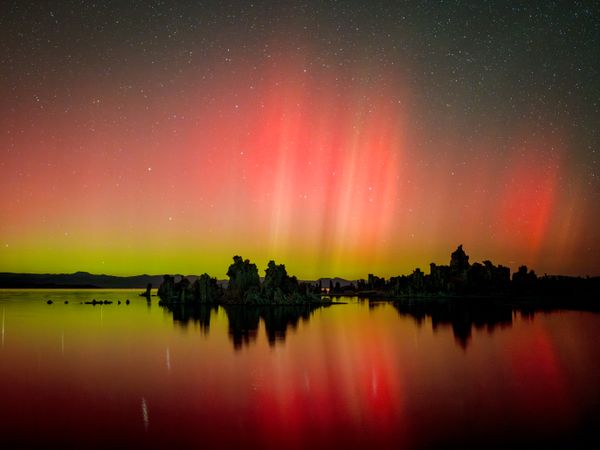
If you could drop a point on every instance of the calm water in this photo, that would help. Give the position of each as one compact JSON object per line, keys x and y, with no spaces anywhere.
{"x":347,"y":376}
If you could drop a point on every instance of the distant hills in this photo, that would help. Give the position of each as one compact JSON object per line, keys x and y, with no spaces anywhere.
{"x":79,"y":280}
{"x":86,"y":280}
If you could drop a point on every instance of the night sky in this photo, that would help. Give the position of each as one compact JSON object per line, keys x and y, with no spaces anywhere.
{"x":339,"y":138}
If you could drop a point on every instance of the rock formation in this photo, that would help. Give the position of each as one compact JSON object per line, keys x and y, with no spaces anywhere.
{"x":243,"y":279}
{"x":206,"y":289}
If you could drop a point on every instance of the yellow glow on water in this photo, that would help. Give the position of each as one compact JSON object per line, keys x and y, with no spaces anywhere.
{"x":359,"y":371}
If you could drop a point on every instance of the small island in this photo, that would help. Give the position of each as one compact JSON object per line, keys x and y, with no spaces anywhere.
{"x":478,"y":281}
{"x":458,"y":279}
{"x":244,"y":288}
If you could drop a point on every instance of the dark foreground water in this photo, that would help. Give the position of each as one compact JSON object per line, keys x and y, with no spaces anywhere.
{"x":347,"y":376}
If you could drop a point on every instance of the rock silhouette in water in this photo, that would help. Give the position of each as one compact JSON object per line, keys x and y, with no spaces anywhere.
{"x":244,"y":281}
{"x":460,"y":278}
{"x":148,"y":292}
{"x":206,"y":290}
{"x":172,"y":291}
{"x":203,"y":290}
{"x":459,"y":262}
{"x":457,"y":278}
{"x":524,"y":282}
{"x":95,"y":302}
{"x":244,"y":287}
{"x":166,"y":290}
{"x":278,"y":287}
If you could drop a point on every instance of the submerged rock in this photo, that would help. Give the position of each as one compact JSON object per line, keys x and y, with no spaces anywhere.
{"x":95,"y":302}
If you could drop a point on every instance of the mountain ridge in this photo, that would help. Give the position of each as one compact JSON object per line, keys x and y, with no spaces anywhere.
{"x":87,"y":280}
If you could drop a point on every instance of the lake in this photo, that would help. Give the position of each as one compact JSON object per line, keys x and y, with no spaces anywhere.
{"x":354,"y":375}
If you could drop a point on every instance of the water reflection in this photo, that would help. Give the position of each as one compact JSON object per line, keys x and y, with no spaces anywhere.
{"x":244,"y":321}
{"x":186,"y":313}
{"x":461,"y":314}
{"x":243,"y":324}
{"x":361,"y":375}
{"x":145,"y":417}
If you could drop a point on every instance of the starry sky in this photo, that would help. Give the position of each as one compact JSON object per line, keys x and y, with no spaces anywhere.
{"x":337,"y":137}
